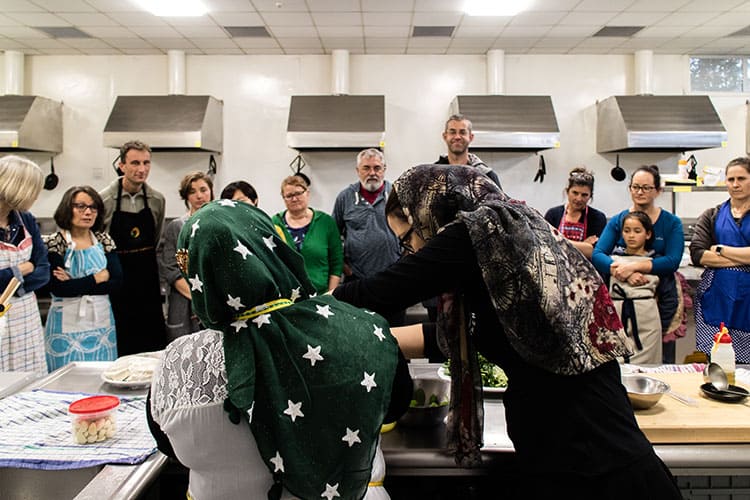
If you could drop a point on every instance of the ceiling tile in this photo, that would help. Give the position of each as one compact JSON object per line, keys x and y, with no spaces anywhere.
{"x":437,"y":5}
{"x":6,"y":21}
{"x":426,"y":50}
{"x":317,"y":51}
{"x":114,"y":5}
{"x":386,"y":31}
{"x":170,"y":43}
{"x":201,"y":31}
{"x":136,"y":19}
{"x":561,"y":43}
{"x":385,"y":50}
{"x":293,"y":31}
{"x":21,"y":32}
{"x":572,"y":31}
{"x":502,"y":43}
{"x":86,"y":43}
{"x":342,"y":32}
{"x":590,"y":50}
{"x":636,"y":18}
{"x":660,"y":6}
{"x":87,"y":19}
{"x":682,"y":19}
{"x":8,"y":44}
{"x":553,"y":5}
{"x":223,"y":51}
{"x":143,"y":52}
{"x":640,"y":44}
{"x":429,"y":41}
{"x":734,"y":19}
{"x":337,"y":19}
{"x":598,"y":5}
{"x":101,"y":52}
{"x":386,"y":42}
{"x":215,"y":43}
{"x":128,"y":43}
{"x":525,"y":32}
{"x":38,"y":19}
{"x":485,"y":21}
{"x":155,"y":32}
{"x":290,"y":19}
{"x":466,"y":50}
{"x":190,"y":21}
{"x":110,"y":32}
{"x":537,"y":18}
{"x":611,"y":41}
{"x":708,"y":31}
{"x":65,"y":5}
{"x":333,"y":5}
{"x":549,"y":50}
{"x":477,"y":31}
{"x":436,"y":19}
{"x":228,"y":6}
{"x":711,"y":6}
{"x":299,"y":43}
{"x":256,"y":43}
{"x":61,"y":52}
{"x":19,"y":6}
{"x":263,"y":52}
{"x":343,"y":43}
{"x":662,"y":32}
{"x":587,"y":18}
{"x":31,"y":52}
{"x":473,"y":42}
{"x":287,"y":6}
{"x":387,"y":5}
{"x":42,"y":43}
{"x":389,"y":19}
{"x":237,"y":18}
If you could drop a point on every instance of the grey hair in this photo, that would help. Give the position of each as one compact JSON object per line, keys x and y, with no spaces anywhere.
{"x":21,"y":181}
{"x":370,"y":153}
{"x":458,"y":117}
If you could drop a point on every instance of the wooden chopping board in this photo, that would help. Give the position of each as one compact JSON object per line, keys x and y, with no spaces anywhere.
{"x":671,"y":421}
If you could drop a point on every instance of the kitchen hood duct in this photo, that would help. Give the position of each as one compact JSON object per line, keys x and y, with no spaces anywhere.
{"x":167,"y":122}
{"x":658,"y":123}
{"x":509,"y":122}
{"x":27,"y":123}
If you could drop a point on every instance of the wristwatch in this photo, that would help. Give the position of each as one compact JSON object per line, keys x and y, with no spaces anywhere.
{"x":719,"y":248}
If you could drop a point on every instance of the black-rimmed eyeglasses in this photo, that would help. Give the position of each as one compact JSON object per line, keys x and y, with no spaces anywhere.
{"x":405,"y":242}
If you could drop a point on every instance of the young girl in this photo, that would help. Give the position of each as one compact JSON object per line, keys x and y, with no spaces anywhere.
{"x":636,"y":301}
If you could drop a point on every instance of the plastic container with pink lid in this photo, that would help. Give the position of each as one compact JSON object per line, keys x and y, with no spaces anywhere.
{"x":93,"y":418}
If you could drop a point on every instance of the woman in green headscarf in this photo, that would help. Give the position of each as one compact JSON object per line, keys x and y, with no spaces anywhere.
{"x":312,"y":376}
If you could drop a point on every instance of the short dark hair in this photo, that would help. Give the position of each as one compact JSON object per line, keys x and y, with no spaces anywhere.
{"x":246,"y":188}
{"x":137,"y":145}
{"x":393,"y":207}
{"x":457,"y":117}
{"x":651,"y":169}
{"x":64,"y":213}
{"x":189,"y":179}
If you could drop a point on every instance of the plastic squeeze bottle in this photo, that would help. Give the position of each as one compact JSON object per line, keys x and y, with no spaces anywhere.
{"x":722,"y":353}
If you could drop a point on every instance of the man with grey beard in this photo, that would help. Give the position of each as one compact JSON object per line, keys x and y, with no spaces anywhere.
{"x":359,"y":211}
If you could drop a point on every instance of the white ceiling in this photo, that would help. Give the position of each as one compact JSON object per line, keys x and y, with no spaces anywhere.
{"x":378,"y":27}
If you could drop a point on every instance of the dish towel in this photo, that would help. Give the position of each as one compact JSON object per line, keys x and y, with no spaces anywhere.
{"x":36,"y":433}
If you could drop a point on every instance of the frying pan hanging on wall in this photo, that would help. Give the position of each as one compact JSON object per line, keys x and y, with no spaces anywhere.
{"x":50,"y":182}
{"x":617,"y":172}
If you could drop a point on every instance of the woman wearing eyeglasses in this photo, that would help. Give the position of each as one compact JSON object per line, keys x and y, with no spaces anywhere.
{"x":576,"y":220}
{"x":313,"y":233}
{"x":668,"y":245}
{"x":85,"y":270}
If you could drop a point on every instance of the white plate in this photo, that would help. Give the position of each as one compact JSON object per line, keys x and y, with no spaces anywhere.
{"x":489,"y":390}
{"x":146,"y":358}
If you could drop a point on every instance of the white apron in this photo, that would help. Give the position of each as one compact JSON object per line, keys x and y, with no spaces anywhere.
{"x":21,"y":334}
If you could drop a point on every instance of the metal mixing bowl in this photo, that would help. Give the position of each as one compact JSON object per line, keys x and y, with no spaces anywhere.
{"x":428,"y":416}
{"x":644,"y":392}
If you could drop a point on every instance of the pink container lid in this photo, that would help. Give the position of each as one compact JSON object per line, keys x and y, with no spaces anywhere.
{"x":94,"y":404}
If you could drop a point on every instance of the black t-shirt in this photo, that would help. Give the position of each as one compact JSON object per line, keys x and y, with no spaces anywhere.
{"x":581,"y":424}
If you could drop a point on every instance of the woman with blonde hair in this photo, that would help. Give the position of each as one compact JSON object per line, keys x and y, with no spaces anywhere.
{"x":23,"y":256}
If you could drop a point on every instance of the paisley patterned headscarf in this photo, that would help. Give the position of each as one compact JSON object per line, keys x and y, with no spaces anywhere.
{"x":553,"y":305}
{"x":311,"y":375}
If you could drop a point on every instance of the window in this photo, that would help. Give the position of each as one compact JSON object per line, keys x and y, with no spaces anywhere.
{"x":720,"y":74}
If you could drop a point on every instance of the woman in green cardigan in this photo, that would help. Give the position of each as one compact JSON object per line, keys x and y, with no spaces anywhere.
{"x":313,"y":233}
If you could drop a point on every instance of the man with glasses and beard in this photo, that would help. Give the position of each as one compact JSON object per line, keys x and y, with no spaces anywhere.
{"x":359,"y":211}
{"x":457,"y":136}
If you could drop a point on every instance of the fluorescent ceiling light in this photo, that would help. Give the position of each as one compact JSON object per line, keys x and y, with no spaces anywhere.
{"x":173,"y":8}
{"x":495,"y":7}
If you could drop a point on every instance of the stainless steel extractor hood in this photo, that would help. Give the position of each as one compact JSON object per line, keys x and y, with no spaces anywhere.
{"x":658,"y":123}
{"x":336,"y":122}
{"x":167,"y":122}
{"x":30,"y":123}
{"x":509,"y":122}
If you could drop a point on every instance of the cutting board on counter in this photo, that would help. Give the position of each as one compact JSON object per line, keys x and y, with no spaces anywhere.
{"x":671,"y":421}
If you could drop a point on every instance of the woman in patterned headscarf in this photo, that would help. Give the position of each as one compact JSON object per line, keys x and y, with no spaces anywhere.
{"x":312,"y":376}
{"x":518,"y":292}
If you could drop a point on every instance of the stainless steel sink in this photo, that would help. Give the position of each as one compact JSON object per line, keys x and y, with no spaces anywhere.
{"x":33,"y":484}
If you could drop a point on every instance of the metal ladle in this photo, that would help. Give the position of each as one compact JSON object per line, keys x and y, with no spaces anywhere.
{"x":718,"y":379}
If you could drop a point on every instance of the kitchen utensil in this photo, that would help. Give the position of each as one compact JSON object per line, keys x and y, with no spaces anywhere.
{"x":13,"y":285}
{"x":541,"y":171}
{"x":617,"y":172}
{"x":50,"y":182}
{"x":692,"y":165}
{"x":644,"y":392}
{"x":718,"y":380}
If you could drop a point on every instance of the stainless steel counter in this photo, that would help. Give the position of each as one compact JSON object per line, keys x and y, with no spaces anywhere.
{"x":421,"y":451}
{"x":117,"y":482}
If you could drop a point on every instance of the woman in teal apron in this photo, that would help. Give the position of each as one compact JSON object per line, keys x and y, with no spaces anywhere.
{"x":85,"y":270}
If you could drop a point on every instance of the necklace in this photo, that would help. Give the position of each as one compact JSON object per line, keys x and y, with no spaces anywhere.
{"x":738,"y":212}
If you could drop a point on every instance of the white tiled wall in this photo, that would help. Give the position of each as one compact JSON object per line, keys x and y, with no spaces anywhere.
{"x":417,"y":89}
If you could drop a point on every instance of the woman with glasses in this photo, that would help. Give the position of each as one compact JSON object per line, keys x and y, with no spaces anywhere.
{"x":512,"y":289}
{"x":576,"y":220}
{"x":22,"y":256}
{"x":668,"y":245}
{"x":85,"y":270}
{"x":721,"y":244}
{"x":196,"y":189}
{"x":313,"y":233}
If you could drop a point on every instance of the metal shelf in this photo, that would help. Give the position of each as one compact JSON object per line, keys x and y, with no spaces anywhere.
{"x":690,"y":188}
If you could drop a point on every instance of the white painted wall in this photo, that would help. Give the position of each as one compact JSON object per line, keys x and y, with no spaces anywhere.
{"x":418,"y":90}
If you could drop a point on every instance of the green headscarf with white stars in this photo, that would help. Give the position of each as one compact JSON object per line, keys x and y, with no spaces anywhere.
{"x":312,"y":375}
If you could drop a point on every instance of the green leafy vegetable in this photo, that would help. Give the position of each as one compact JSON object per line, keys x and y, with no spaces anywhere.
{"x":492,"y":375}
